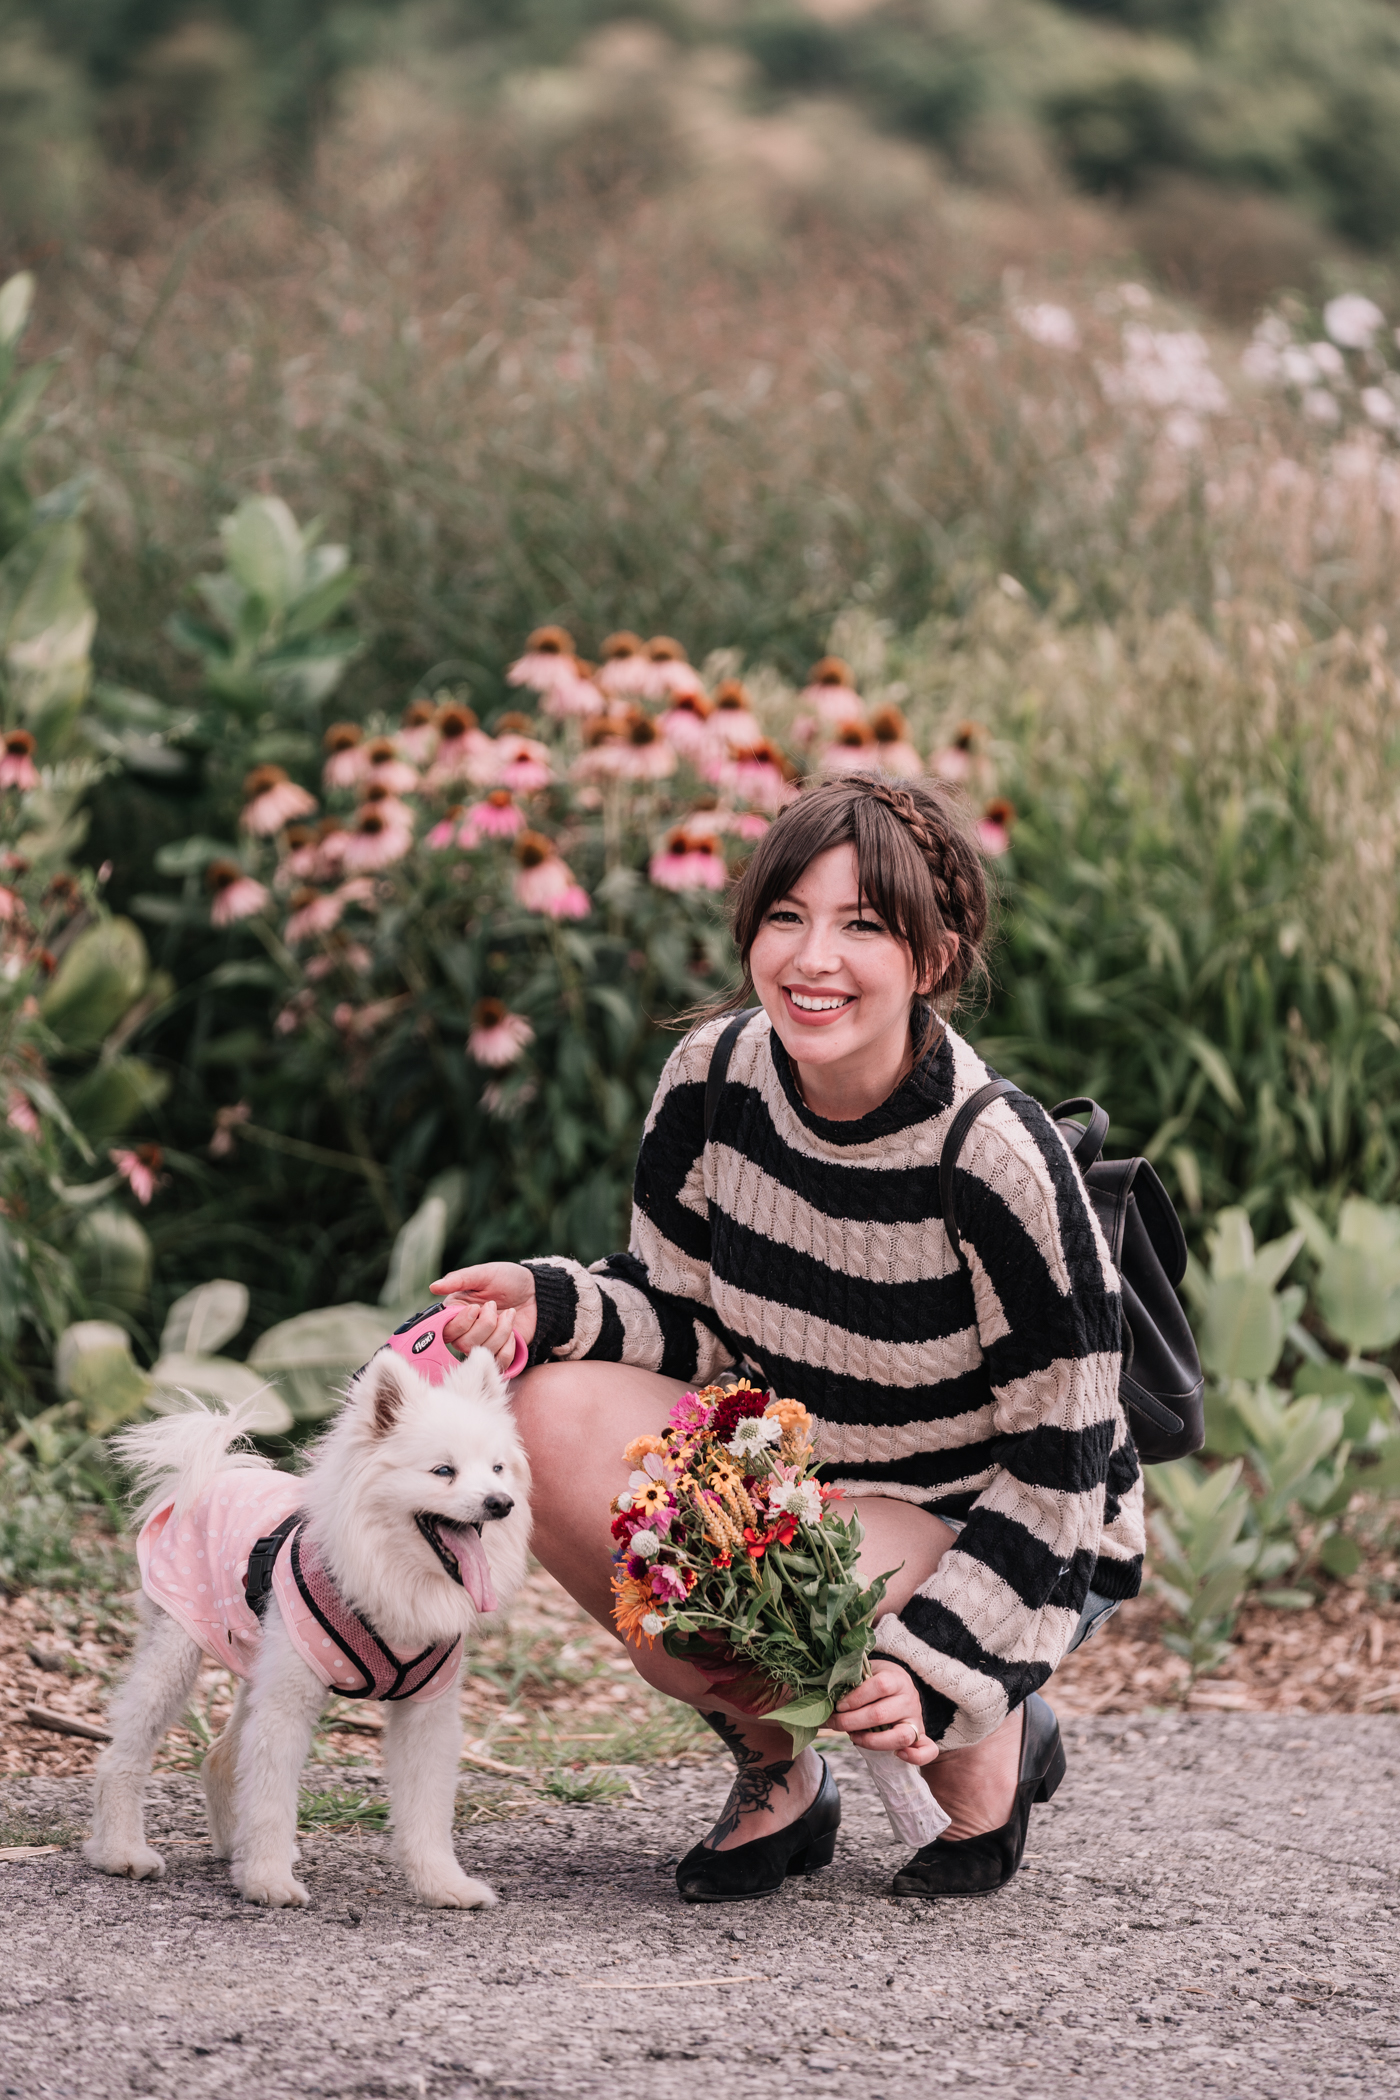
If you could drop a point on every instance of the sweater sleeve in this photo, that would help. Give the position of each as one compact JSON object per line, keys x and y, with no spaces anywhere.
{"x":650,"y":1306}
{"x":1000,"y":1610}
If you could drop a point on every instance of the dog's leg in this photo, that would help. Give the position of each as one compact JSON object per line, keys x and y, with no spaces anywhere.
{"x":219,"y":1773}
{"x":285,"y":1699}
{"x":155,"y":1694}
{"x":422,"y":1745}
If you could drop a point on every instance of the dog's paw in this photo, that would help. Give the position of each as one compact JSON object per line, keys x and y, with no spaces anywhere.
{"x":454,"y":1892}
{"x":272,"y":1887}
{"x":136,"y":1862}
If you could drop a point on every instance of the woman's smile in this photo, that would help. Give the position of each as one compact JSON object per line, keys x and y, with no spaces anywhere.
{"x":813,"y":1008}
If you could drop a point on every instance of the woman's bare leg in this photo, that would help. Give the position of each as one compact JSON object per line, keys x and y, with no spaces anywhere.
{"x":574,"y":1420}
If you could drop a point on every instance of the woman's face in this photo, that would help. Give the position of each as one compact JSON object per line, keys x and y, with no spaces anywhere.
{"x":836,"y":984}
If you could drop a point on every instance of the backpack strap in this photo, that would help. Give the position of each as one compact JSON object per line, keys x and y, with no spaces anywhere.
{"x":952,"y":1145}
{"x":719,"y":1063}
{"x":1088,"y":1148}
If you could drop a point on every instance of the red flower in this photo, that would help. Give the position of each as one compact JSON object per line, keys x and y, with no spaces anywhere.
{"x":733,"y":1409}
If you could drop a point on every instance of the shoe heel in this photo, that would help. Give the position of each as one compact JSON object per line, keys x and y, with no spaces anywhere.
{"x":1054,"y":1773}
{"x":820,"y":1853}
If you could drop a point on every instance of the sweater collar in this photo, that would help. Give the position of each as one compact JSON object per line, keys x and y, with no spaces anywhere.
{"x":926,"y":1092}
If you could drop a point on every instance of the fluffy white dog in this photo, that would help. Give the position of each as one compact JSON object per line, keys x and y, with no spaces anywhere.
{"x":368,"y":1572}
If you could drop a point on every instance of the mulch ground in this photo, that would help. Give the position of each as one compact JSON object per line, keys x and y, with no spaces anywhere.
{"x":552,"y":1688}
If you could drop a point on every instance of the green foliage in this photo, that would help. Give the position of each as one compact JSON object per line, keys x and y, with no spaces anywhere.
{"x":1202,"y":1565}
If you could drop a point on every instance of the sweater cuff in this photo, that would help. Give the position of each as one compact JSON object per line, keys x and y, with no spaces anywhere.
{"x":556,"y":1310}
{"x":938,"y":1708}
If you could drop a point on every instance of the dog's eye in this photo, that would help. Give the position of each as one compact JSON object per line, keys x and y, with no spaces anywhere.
{"x":445,"y":1472}
{"x":498,"y":1469}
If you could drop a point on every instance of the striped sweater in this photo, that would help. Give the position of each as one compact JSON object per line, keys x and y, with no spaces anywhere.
{"x":815,"y":1252}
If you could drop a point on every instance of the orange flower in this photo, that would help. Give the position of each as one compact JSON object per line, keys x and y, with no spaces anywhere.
{"x":642,"y":1447}
{"x":633,"y":1604}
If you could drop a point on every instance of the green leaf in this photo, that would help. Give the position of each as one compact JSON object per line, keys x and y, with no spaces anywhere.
{"x":112,"y":1257}
{"x":192,"y":856}
{"x":416,"y":1257}
{"x":219,"y":1379}
{"x":313,"y":1355}
{"x":1242,"y":1328}
{"x":1340,"y":1555}
{"x":264,"y":548}
{"x":205,"y":1318}
{"x":99,"y":978}
{"x":93,"y":1365}
{"x":16,"y":300}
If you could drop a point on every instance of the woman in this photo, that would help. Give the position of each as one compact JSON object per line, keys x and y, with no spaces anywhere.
{"x":969,"y":1409}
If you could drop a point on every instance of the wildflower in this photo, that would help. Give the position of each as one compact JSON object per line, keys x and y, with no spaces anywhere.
{"x":497,"y":1036}
{"x":459,"y":743}
{"x":956,"y":760}
{"x":653,"y":1624}
{"x":644,"y":1447}
{"x":691,"y":1412}
{"x":645,"y":1545}
{"x":685,"y":723}
{"x":669,"y":1584}
{"x":800,"y":1499}
{"x":853,"y":749}
{"x":297,"y":1010}
{"x":732,"y":719}
{"x":387,"y":770}
{"x":20,"y":1114}
{"x":236,"y":894}
{"x":668,"y":672}
{"x":544,"y":882}
{"x":794,"y":1422}
{"x":140,"y":1169}
{"x":759,"y":772}
{"x":226,"y":1121}
{"x":732,"y":1406}
{"x":376,"y":842}
{"x":345,"y":757}
{"x":1163,"y":368}
{"x":17,"y":767}
{"x":1052,"y":326}
{"x":830,"y":689}
{"x":754,"y":1434}
{"x":654,"y":1503}
{"x":312,"y":912}
{"x":516,"y":762}
{"x":272,"y":801}
{"x":994,"y":829}
{"x":11,"y":905}
{"x":1380,"y":406}
{"x":417,"y":735}
{"x":1352,"y":320}
{"x":445,"y":832}
{"x":687,"y":862}
{"x":634,"y":1608}
{"x":626,"y":669}
{"x":548,"y":660}
{"x":897,"y":754}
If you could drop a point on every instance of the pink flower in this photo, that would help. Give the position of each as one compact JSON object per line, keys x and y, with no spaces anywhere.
{"x":312,"y":913}
{"x":20,"y":1114}
{"x":417,"y":733}
{"x":17,"y":768}
{"x":548,"y":660}
{"x":376,"y":842}
{"x":497,"y":1035}
{"x":444,"y":833}
{"x":140,"y":1170}
{"x":273,"y":801}
{"x":459,"y":743}
{"x":511,"y":761}
{"x":226,"y":1121}
{"x":625,"y":747}
{"x":626,"y":671}
{"x":688,"y":862}
{"x":956,"y":760}
{"x":10,"y":905}
{"x":897,"y":754}
{"x":545,"y":883}
{"x":994,"y":828}
{"x":574,"y":694}
{"x":297,"y":1010}
{"x":668,"y":674}
{"x":759,"y":773}
{"x":830,"y":691}
{"x":852,"y":750}
{"x":361,"y":1021}
{"x":386,"y":770}
{"x":236,"y":895}
{"x":686,"y":725}
{"x":733,"y":721}
{"x":498,"y":817}
{"x":345,"y":756}
{"x":668,"y":1583}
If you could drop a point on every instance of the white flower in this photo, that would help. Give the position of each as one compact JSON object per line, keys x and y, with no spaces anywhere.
{"x":645,"y":1544}
{"x":752,"y":1435}
{"x":1352,"y":320}
{"x":1054,"y":326}
{"x":624,"y":1502}
{"x":1184,"y":430}
{"x":653,"y":1623}
{"x":1379,"y":406}
{"x":1261,"y":362}
{"x":803,"y":1499}
{"x":1327,"y":359}
{"x":1320,"y":405}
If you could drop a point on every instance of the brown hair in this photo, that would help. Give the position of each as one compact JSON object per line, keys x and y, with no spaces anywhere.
{"x":920,"y":869}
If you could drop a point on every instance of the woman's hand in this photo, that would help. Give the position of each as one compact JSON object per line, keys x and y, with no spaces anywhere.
{"x":497,"y":1301}
{"x":884,"y":1713}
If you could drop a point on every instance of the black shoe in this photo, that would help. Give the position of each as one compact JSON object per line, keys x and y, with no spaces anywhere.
{"x":975,"y":1866}
{"x":761,"y":1867}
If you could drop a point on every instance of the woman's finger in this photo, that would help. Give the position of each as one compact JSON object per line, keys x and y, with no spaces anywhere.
{"x":466,"y":1327}
{"x":921,"y":1753}
{"x":879,"y":1713}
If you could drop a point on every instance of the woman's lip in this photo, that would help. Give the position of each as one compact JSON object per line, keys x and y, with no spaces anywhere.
{"x":805,"y":1015}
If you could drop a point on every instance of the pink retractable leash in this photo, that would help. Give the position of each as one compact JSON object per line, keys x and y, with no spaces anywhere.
{"x":420,"y":1341}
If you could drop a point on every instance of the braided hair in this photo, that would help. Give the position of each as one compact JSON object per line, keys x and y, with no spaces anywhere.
{"x":920,"y":869}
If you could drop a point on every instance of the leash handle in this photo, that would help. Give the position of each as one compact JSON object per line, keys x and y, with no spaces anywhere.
{"x":420,"y":1342}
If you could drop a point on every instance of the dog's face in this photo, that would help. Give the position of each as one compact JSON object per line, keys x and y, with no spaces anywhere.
{"x":428,"y":1484}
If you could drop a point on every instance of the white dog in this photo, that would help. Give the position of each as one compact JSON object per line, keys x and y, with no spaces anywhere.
{"x":368,"y":1571}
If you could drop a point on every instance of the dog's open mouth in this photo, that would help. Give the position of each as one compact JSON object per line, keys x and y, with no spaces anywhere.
{"x":459,"y":1548}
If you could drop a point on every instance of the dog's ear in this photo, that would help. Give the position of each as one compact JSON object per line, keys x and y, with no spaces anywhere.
{"x":386,"y":1395}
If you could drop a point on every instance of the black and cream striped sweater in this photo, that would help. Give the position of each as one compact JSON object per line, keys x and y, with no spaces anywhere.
{"x":816,"y":1252}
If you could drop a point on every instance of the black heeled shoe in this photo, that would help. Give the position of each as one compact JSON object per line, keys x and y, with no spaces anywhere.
{"x":976,"y":1866}
{"x":761,"y":1867}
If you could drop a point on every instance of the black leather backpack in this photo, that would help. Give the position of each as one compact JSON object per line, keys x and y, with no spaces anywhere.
{"x":1161,"y":1383}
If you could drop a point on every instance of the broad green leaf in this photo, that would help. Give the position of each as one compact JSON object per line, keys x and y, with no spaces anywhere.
{"x":98,"y":979}
{"x":16,"y":299}
{"x":205,"y":1318}
{"x":110,"y":1098}
{"x":1232,"y":1243}
{"x":264,"y":548}
{"x":416,"y":1258}
{"x":1272,"y":1260}
{"x":1358,"y":1295}
{"x":1242,"y":1328}
{"x":93,"y":1365}
{"x":220,"y":1379}
{"x":314,"y":1355}
{"x":112,"y":1257}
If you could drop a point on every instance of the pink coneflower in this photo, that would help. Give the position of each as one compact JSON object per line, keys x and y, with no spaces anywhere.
{"x":377,"y":796}
{"x":236,"y":895}
{"x":830,"y":690}
{"x":345,"y":755}
{"x":853,"y":749}
{"x":759,"y":773}
{"x":417,"y":737}
{"x":519,"y":763}
{"x":955,"y":761}
{"x":644,"y":753}
{"x":140,"y":1169}
{"x":11,"y":905}
{"x":669,"y":674}
{"x":497,"y":817}
{"x":387,"y":770}
{"x":313,"y":912}
{"x":273,"y":801}
{"x":20,"y":1114}
{"x":625,"y":673}
{"x":688,"y":861}
{"x":363,"y":1020}
{"x":375,"y":842}
{"x":686,"y":724}
{"x":498,"y":1036}
{"x":732,"y":719}
{"x":444,"y":832}
{"x":295,"y":1013}
{"x":548,"y":660}
{"x":575,"y":695}
{"x":459,"y":739}
{"x":994,"y":828}
{"x":544,"y":882}
{"x":344,"y":955}
{"x":17,"y":767}
{"x":226,"y":1122}
{"x":897,"y":754}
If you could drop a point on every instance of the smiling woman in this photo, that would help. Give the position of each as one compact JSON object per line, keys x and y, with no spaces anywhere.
{"x":788,"y":1228}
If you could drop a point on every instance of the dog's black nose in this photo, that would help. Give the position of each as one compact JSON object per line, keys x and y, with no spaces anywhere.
{"x":498,"y":1506}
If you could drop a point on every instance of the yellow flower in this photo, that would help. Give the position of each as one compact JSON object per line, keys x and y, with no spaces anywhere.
{"x":652,"y":1497}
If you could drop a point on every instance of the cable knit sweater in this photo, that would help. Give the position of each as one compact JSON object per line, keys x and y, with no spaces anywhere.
{"x":815,"y":1253}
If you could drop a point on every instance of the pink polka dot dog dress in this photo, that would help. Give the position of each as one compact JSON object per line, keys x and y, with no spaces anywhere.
{"x":197,"y":1570}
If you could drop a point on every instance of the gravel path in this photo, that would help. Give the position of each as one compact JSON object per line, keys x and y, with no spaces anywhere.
{"x":1211,"y":1904}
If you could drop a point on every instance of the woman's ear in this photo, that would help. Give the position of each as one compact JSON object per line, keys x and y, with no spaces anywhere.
{"x":947,"y":955}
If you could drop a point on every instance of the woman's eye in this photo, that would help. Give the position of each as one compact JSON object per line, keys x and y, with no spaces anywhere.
{"x":782,"y":918}
{"x":866,"y":926}
{"x":444,"y":1472}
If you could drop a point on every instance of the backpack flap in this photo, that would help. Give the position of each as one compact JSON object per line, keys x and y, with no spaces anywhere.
{"x":1162,"y":1382}
{"x":1162,"y":1224}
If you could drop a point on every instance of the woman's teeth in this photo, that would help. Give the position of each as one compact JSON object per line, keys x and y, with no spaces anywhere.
{"x":818,"y":1006}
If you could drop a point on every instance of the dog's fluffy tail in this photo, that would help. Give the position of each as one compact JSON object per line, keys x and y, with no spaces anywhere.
{"x":179,"y":1455}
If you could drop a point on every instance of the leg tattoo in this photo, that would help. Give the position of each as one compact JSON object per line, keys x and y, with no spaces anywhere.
{"x":754,"y":1782}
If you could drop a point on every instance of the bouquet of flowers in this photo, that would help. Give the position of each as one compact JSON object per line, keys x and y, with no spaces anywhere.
{"x":733,"y":1554}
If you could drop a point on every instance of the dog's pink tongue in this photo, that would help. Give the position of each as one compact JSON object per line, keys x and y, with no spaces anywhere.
{"x":470,"y":1555}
